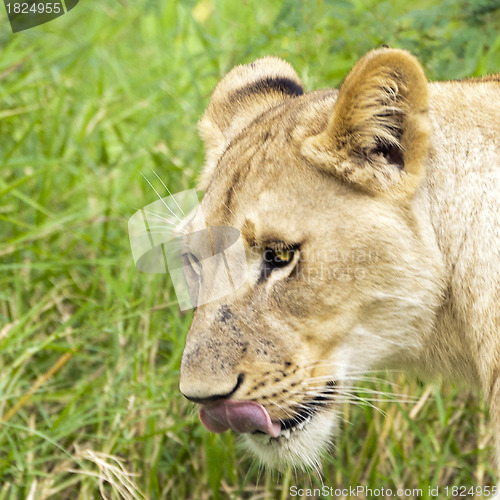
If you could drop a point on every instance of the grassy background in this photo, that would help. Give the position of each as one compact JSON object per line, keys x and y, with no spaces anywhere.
{"x":90,"y":348}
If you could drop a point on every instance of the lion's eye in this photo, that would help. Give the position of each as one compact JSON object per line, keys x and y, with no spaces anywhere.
{"x":278,"y":258}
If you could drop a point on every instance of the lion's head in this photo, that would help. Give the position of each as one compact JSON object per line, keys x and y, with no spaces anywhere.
{"x":342,"y":278}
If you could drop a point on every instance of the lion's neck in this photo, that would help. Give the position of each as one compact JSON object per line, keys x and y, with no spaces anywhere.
{"x":460,"y":205}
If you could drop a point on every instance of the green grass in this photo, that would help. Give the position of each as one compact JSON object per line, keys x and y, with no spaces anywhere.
{"x":89,"y":347}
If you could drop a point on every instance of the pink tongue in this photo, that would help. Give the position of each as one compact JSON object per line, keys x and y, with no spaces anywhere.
{"x":240,"y":416}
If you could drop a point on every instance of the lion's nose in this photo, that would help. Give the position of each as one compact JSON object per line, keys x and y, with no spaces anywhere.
{"x":203,"y":391}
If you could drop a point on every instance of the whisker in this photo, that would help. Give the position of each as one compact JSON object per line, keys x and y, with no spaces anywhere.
{"x":353,"y":395}
{"x":168,"y":191}
{"x":162,"y":229}
{"x":328,"y":378}
{"x":356,"y":394}
{"x":330,"y":364}
{"x":238,"y":219}
{"x":161,"y":217}
{"x":160,"y":198}
{"x":166,"y":221}
{"x":284,"y":410}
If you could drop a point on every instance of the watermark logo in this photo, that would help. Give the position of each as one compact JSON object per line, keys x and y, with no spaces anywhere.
{"x":27,"y":14}
{"x":205,"y":262}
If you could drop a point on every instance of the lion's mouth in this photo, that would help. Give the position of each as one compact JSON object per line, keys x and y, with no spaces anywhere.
{"x":300,"y":419}
{"x":306,"y":412}
{"x":251,"y":417}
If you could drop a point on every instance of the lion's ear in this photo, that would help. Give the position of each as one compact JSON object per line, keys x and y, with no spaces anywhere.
{"x":243,"y":94}
{"x":377,"y":136}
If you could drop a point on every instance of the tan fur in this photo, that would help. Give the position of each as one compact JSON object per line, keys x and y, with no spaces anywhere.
{"x":390,"y":190}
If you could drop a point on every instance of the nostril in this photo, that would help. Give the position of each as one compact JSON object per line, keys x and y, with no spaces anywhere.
{"x":210,"y":398}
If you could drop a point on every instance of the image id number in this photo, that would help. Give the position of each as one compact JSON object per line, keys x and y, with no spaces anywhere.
{"x":36,"y":8}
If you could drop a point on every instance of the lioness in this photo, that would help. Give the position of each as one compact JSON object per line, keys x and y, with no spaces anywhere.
{"x":371,"y":220}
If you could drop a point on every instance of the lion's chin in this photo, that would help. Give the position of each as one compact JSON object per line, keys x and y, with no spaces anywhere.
{"x":300,"y":446}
